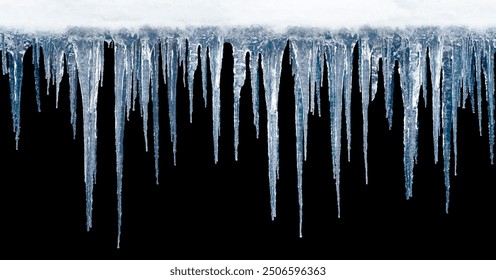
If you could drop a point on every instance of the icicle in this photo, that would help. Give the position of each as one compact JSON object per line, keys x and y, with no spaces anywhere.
{"x":121,"y":76}
{"x":89,"y":62}
{"x":301,"y":56}
{"x":16,"y":48}
{"x":192,"y":62}
{"x":155,"y":104}
{"x":182,"y":52}
{"x":349,"y":40}
{"x":130,"y":73}
{"x":469,"y":71}
{"x":467,"y":81}
{"x":488,"y":66}
{"x":311,"y":78}
{"x":423,"y":67}
{"x":435,"y":55}
{"x":47,"y":47}
{"x":255,"y":93}
{"x":478,"y":73}
{"x":455,"y":54}
{"x":172,"y":65}
{"x":240,"y":48}
{"x":73,"y":83}
{"x":447,"y":113}
{"x":272,"y":53}
{"x":136,"y":71}
{"x":388,"y":69}
{"x":299,"y":112}
{"x":410,"y":67}
{"x":303,"y":42}
{"x":319,"y":71}
{"x":457,"y":64}
{"x":164,"y":54}
{"x":5,"y":69}
{"x":215,"y":44}
{"x":206,"y":56}
{"x":36,"y":66}
{"x":144,"y":93}
{"x":365,"y":57}
{"x":336,"y":58}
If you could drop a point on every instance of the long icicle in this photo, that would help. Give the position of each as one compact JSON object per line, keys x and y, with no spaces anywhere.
{"x":89,"y":61}
{"x":271,"y":61}
{"x":447,"y":114}
{"x":121,"y":76}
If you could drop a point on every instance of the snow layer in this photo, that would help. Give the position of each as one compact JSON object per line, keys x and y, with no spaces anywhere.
{"x":58,"y":15}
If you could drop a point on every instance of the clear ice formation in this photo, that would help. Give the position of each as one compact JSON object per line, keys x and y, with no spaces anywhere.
{"x":458,"y":59}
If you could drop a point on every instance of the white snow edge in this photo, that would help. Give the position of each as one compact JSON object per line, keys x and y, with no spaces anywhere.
{"x":58,"y":15}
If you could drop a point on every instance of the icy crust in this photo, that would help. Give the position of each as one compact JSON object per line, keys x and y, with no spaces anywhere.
{"x":459,"y":57}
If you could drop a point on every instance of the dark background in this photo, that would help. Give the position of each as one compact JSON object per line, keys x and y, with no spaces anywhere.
{"x":206,"y":211}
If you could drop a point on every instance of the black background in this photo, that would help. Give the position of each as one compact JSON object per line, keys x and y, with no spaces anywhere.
{"x":205,"y":211}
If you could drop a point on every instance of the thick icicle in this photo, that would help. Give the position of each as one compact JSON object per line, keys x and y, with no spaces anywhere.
{"x":121,"y":75}
{"x":336,"y":58}
{"x":488,"y":65}
{"x":164,"y":54}
{"x":299,"y":112}
{"x":411,"y":75}
{"x":47,"y":46}
{"x":155,"y":105}
{"x":73,"y":84}
{"x":319,"y":50}
{"x":17,"y":46}
{"x":136,"y":49}
{"x":365,"y":57}
{"x":191,"y":61}
{"x":447,"y":113}
{"x":301,"y":56}
{"x":435,"y":54}
{"x":89,"y":61}
{"x":313,"y":66}
{"x":144,"y":92}
{"x":255,"y":93}
{"x":388,"y":69}
{"x":36,"y":66}
{"x":348,"y":40}
{"x":204,"y":73}
{"x":302,"y":43}
{"x":478,"y":74}
{"x":5,"y":69}
{"x":172,"y":66}
{"x":182,"y":52}
{"x":457,"y":64}
{"x":272,"y":52}
{"x":215,"y":44}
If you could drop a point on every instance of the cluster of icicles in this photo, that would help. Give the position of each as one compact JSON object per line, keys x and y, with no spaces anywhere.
{"x":455,"y":55}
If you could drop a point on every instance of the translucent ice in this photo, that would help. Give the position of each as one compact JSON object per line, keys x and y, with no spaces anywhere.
{"x":89,"y":60}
